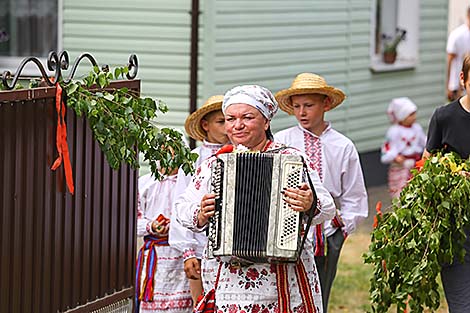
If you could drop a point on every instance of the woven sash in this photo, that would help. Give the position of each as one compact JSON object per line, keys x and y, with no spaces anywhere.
{"x":144,"y":291}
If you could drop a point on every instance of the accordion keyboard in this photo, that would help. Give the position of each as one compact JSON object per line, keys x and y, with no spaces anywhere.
{"x":251,"y":220}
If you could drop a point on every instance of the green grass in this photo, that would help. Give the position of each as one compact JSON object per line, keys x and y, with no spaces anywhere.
{"x":350,"y":291}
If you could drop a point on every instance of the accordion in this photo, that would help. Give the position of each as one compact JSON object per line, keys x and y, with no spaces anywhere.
{"x":252,"y":222}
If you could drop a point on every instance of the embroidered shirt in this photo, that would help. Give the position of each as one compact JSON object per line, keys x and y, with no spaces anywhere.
{"x":340,"y":170}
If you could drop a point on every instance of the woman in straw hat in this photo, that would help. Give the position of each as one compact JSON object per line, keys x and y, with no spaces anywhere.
{"x":231,"y":287}
{"x":207,"y":125}
{"x":336,"y":160}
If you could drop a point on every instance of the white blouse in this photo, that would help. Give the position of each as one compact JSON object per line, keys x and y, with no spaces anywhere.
{"x":191,"y":244}
{"x":405,"y":141}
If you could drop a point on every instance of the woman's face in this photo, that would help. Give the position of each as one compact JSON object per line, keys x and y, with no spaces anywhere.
{"x":246,"y":125}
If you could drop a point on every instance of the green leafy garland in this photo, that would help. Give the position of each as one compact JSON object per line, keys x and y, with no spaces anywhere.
{"x":123,"y":122}
{"x":424,"y":229}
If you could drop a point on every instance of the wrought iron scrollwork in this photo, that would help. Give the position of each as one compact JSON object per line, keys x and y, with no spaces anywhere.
{"x":133,"y":66}
{"x":59,"y":63}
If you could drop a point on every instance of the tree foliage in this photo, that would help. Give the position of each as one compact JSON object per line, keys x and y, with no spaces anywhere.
{"x":123,"y":123}
{"x":424,"y":230}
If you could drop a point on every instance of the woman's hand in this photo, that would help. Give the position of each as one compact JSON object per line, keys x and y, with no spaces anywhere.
{"x":299,"y":199}
{"x":206,"y":210}
{"x":160,"y":228}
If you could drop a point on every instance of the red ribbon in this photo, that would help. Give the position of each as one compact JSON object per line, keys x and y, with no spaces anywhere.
{"x":378,"y":208}
{"x":61,"y":140}
{"x":319,"y":241}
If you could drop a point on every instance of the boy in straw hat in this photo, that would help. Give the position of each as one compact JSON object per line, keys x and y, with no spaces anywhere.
{"x":336,"y":161}
{"x":207,"y":125}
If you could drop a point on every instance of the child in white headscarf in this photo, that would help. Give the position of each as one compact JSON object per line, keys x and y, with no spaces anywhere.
{"x":404,"y":143}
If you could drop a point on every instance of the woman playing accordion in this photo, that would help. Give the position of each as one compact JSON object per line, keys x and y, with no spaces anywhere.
{"x":255,"y":287}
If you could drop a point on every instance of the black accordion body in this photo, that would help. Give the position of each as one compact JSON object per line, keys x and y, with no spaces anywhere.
{"x":252,"y":222}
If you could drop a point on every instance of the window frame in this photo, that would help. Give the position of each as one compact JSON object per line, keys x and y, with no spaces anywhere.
{"x":408,"y":50}
{"x":11,"y":63}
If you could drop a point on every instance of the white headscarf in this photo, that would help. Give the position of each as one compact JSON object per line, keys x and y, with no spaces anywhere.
{"x":256,"y":96}
{"x":400,"y":108}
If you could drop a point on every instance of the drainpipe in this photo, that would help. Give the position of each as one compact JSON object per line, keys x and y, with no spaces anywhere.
{"x":194,"y":61}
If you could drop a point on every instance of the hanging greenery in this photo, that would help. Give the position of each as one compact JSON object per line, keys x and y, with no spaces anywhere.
{"x":123,"y":122}
{"x":423,"y":230}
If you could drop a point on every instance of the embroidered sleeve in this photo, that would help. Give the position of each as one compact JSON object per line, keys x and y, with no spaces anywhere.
{"x":189,"y":254}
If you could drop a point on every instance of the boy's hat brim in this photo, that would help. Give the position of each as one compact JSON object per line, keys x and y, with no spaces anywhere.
{"x":308,"y":83}
{"x":193,"y":122}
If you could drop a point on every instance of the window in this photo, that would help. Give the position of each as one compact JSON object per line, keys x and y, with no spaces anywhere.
{"x":392,"y":20}
{"x":27,"y":28}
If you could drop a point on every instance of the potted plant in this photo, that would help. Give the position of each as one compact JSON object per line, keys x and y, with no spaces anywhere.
{"x":390,"y":45}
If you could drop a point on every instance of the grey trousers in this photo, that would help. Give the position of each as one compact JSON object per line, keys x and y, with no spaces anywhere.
{"x":456,"y":282}
{"x":327,"y":265}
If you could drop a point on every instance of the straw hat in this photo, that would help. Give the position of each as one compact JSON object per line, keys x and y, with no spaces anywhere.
{"x":308,"y":83}
{"x":193,"y":122}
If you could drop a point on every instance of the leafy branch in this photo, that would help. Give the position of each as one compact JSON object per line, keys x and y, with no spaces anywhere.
{"x":123,"y":123}
{"x":423,"y":231}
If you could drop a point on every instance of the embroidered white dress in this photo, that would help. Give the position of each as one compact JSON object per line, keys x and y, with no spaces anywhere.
{"x":408,"y":142}
{"x":253,"y":288}
{"x":339,"y":168}
{"x":171,"y":288}
{"x":190,"y":243}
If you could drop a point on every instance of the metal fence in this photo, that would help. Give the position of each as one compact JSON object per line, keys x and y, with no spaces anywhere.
{"x":60,"y":252}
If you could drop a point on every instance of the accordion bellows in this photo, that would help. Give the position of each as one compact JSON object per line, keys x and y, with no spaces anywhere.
{"x":252,"y":222}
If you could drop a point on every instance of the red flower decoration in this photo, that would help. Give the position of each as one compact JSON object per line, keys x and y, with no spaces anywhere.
{"x":387,"y":146}
{"x":378,"y":208}
{"x":419,"y":164}
{"x":252,"y":274}
{"x":232,"y":308}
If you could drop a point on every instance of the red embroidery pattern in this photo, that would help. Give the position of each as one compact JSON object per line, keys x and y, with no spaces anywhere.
{"x":196,"y":213}
{"x":253,"y":308}
{"x":168,"y":304}
{"x":408,"y":141}
{"x":189,"y":253}
{"x":314,"y":152}
{"x":251,"y":279}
